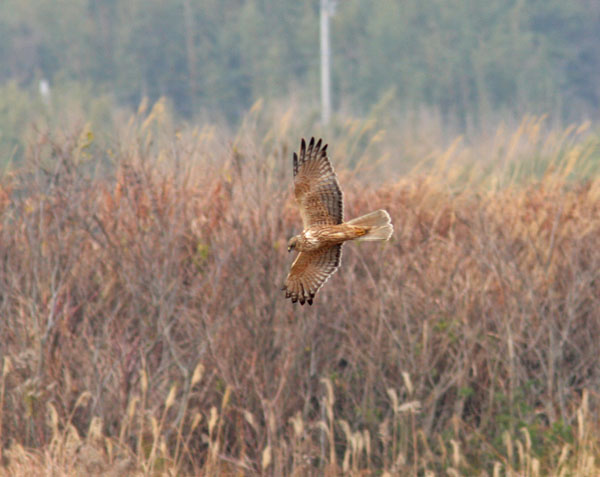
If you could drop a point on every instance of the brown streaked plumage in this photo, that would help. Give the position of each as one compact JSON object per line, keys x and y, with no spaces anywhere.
{"x":320,"y":200}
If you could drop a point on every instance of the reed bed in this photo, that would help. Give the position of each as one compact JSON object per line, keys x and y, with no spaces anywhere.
{"x":144,"y":332}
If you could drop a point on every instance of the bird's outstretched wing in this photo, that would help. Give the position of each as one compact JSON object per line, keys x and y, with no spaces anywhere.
{"x":309,"y":271}
{"x":316,"y":186}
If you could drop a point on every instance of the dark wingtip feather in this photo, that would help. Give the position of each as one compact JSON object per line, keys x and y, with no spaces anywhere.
{"x":309,"y":301}
{"x":311,"y":145}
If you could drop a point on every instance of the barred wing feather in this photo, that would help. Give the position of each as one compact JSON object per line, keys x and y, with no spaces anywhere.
{"x":310,"y":271}
{"x":316,"y":186}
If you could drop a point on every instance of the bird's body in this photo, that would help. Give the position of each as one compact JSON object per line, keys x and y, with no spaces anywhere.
{"x":320,"y":200}
{"x":319,"y":236}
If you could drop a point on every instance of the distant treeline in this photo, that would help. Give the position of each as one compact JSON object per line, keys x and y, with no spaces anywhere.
{"x":464,"y":58}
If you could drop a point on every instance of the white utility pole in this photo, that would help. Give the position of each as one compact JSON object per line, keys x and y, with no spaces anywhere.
{"x":325,"y":64}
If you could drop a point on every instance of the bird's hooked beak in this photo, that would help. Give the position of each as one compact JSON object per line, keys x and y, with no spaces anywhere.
{"x":291,"y":244}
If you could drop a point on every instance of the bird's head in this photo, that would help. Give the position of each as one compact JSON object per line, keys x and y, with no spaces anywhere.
{"x":293,"y":242}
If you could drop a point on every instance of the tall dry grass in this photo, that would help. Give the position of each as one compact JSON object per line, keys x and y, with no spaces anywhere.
{"x":144,"y":333}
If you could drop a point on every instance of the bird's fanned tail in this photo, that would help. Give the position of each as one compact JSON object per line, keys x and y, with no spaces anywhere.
{"x":379,"y":225}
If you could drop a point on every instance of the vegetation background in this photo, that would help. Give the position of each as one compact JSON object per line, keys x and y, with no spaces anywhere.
{"x":145,"y":203}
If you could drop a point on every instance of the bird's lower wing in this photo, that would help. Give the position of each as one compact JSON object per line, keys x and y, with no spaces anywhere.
{"x":310,"y":271}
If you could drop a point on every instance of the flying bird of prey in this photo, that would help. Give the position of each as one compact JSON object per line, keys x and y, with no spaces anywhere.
{"x":320,"y":200}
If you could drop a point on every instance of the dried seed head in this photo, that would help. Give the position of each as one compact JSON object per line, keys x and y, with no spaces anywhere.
{"x":163,"y":446}
{"x":95,"y":429}
{"x":407,"y":382}
{"x":143,"y":381}
{"x":155,"y":428}
{"x":131,"y":407}
{"x":564,"y":454}
{"x":171,"y":397}
{"x":298,"y":424}
{"x":384,"y":431}
{"x":7,"y":366}
{"x":346,"y":428}
{"x":329,"y":388}
{"x":509,"y":445}
{"x":527,"y":437}
{"x":346,"y":462}
{"x":322,"y":425}
{"x":266,"y":457}
{"x":411,"y":406}
{"x":195,"y":421}
{"x":250,"y":418}
{"x":226,"y":398}
{"x":214,"y":416}
{"x":198,"y":373}
{"x":83,"y":399}
{"x":367,"y":441}
{"x":535,"y":467}
{"x":394,"y":399}
{"x":357,"y":443}
{"x":455,"y":452}
{"x":53,"y":418}
{"x":271,"y":421}
{"x":521,"y":453}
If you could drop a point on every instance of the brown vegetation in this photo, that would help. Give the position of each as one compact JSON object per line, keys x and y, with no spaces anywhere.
{"x":144,"y":331}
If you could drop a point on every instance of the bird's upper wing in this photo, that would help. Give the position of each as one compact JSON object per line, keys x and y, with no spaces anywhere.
{"x":309,"y":271}
{"x":316,"y":186}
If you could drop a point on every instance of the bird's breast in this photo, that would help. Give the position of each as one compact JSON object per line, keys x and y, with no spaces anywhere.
{"x":311,"y":240}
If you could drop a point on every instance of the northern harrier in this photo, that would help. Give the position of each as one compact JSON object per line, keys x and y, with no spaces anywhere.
{"x":319,"y":198}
